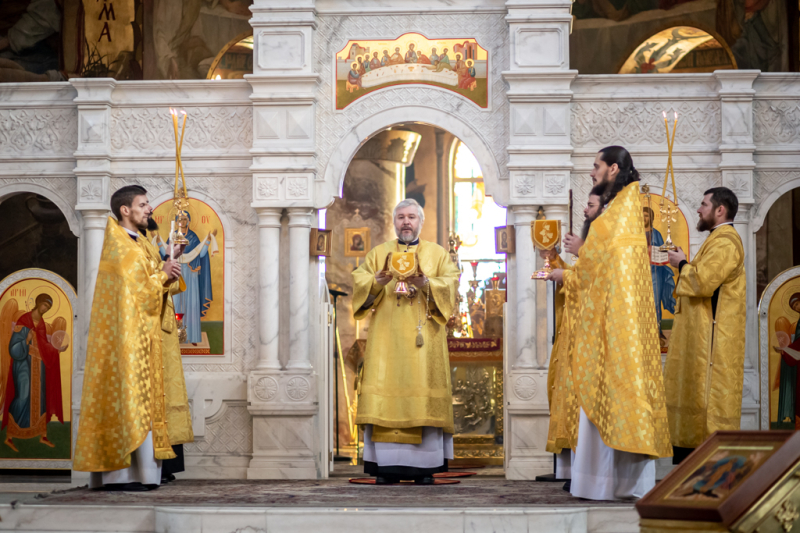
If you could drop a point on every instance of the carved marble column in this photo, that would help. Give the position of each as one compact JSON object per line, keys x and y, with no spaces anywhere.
{"x":736,"y":94}
{"x":525,"y":258}
{"x":289,"y":439}
{"x":539,"y":164}
{"x":93,"y":173}
{"x":299,"y":235}
{"x":269,"y":236}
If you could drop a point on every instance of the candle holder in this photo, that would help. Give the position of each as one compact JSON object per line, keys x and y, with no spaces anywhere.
{"x":180,"y":203}
{"x":183,"y":335}
{"x":545,"y":235}
{"x":668,"y":212}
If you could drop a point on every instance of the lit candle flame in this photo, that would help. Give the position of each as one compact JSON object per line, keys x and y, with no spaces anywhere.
{"x":676,"y":115}
{"x":664,"y":113}
{"x":184,"y":112}
{"x":172,"y":111}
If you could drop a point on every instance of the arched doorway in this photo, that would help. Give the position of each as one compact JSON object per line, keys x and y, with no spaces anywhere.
{"x":439,"y":170}
{"x":37,"y":235}
{"x":778,"y":239}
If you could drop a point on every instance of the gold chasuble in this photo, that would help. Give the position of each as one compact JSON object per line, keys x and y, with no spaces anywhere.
{"x":123,"y":388}
{"x":405,"y":385}
{"x":615,"y":358}
{"x":179,"y":417}
{"x":705,"y":363}
{"x":558,"y":396}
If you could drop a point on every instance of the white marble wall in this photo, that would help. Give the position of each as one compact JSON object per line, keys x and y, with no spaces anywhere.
{"x":269,"y":151}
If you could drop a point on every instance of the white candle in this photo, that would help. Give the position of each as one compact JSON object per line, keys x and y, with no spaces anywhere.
{"x":171,"y":240}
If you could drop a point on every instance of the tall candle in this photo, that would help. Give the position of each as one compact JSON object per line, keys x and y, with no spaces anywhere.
{"x":171,"y":240}
{"x":177,"y":149}
{"x":183,"y":176}
{"x":669,"y":157}
{"x":671,"y":166}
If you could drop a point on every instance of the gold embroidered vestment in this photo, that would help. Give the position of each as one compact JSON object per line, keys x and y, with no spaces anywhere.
{"x":615,"y":357}
{"x":123,"y":389}
{"x":558,"y":396}
{"x":705,"y":365}
{"x":179,"y":417}
{"x":405,"y":385}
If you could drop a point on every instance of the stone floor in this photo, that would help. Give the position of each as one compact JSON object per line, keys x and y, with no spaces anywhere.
{"x":484,"y":502}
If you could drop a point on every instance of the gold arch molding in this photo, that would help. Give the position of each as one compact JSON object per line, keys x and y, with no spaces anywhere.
{"x":663,"y":51}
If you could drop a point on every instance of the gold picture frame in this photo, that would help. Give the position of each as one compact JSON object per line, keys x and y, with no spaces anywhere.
{"x":356,"y":242}
{"x":320,"y":242}
{"x":505,"y":240}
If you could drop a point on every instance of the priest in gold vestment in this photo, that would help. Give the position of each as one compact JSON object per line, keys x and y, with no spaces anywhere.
{"x":558,"y":396}
{"x":705,"y":364}
{"x":404,"y":396}
{"x":617,"y":424}
{"x":122,"y":433}
{"x":179,"y":417}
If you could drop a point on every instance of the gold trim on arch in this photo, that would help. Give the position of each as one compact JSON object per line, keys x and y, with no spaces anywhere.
{"x":675,"y":23}
{"x":223,"y":51}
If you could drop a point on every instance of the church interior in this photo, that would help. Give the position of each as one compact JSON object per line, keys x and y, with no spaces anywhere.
{"x":296,"y":132}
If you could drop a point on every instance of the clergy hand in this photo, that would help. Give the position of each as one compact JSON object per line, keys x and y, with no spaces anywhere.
{"x":179,"y":250}
{"x":418,"y":281}
{"x":383,"y":277}
{"x":29,"y":339}
{"x":676,"y":257}
{"x":556,"y":275}
{"x":172,"y":269}
{"x":572,"y":243}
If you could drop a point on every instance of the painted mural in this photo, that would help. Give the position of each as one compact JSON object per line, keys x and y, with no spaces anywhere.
{"x":753,"y":32}
{"x":784,"y":356}
{"x":664,"y":51}
{"x":664,"y":276}
{"x":203,"y":270}
{"x":36,"y":319}
{"x":458,"y":65}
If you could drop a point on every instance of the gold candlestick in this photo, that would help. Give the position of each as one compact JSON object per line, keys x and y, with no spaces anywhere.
{"x":180,"y":203}
{"x":667,"y":212}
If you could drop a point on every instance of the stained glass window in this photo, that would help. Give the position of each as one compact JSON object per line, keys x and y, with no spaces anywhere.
{"x":474,"y":217}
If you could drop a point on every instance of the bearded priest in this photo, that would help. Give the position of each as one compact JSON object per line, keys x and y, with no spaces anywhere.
{"x":122,"y":432}
{"x":404,"y":395}
{"x":617,"y":419}
{"x":705,"y":365}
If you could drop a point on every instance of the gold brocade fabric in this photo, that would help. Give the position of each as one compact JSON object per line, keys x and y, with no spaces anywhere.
{"x":401,"y":435}
{"x":615,"y":358}
{"x":123,"y":398}
{"x":179,"y":417}
{"x":405,"y":385}
{"x":705,"y":362}
{"x":558,"y":396}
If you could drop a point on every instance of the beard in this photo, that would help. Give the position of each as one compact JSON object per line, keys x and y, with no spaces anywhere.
{"x":152,"y":225}
{"x":414,"y":234}
{"x":587,"y":224}
{"x":704,"y":224}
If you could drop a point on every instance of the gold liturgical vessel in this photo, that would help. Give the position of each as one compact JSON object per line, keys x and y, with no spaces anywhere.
{"x":668,"y":212}
{"x":402,"y":266}
{"x":545,"y":235}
